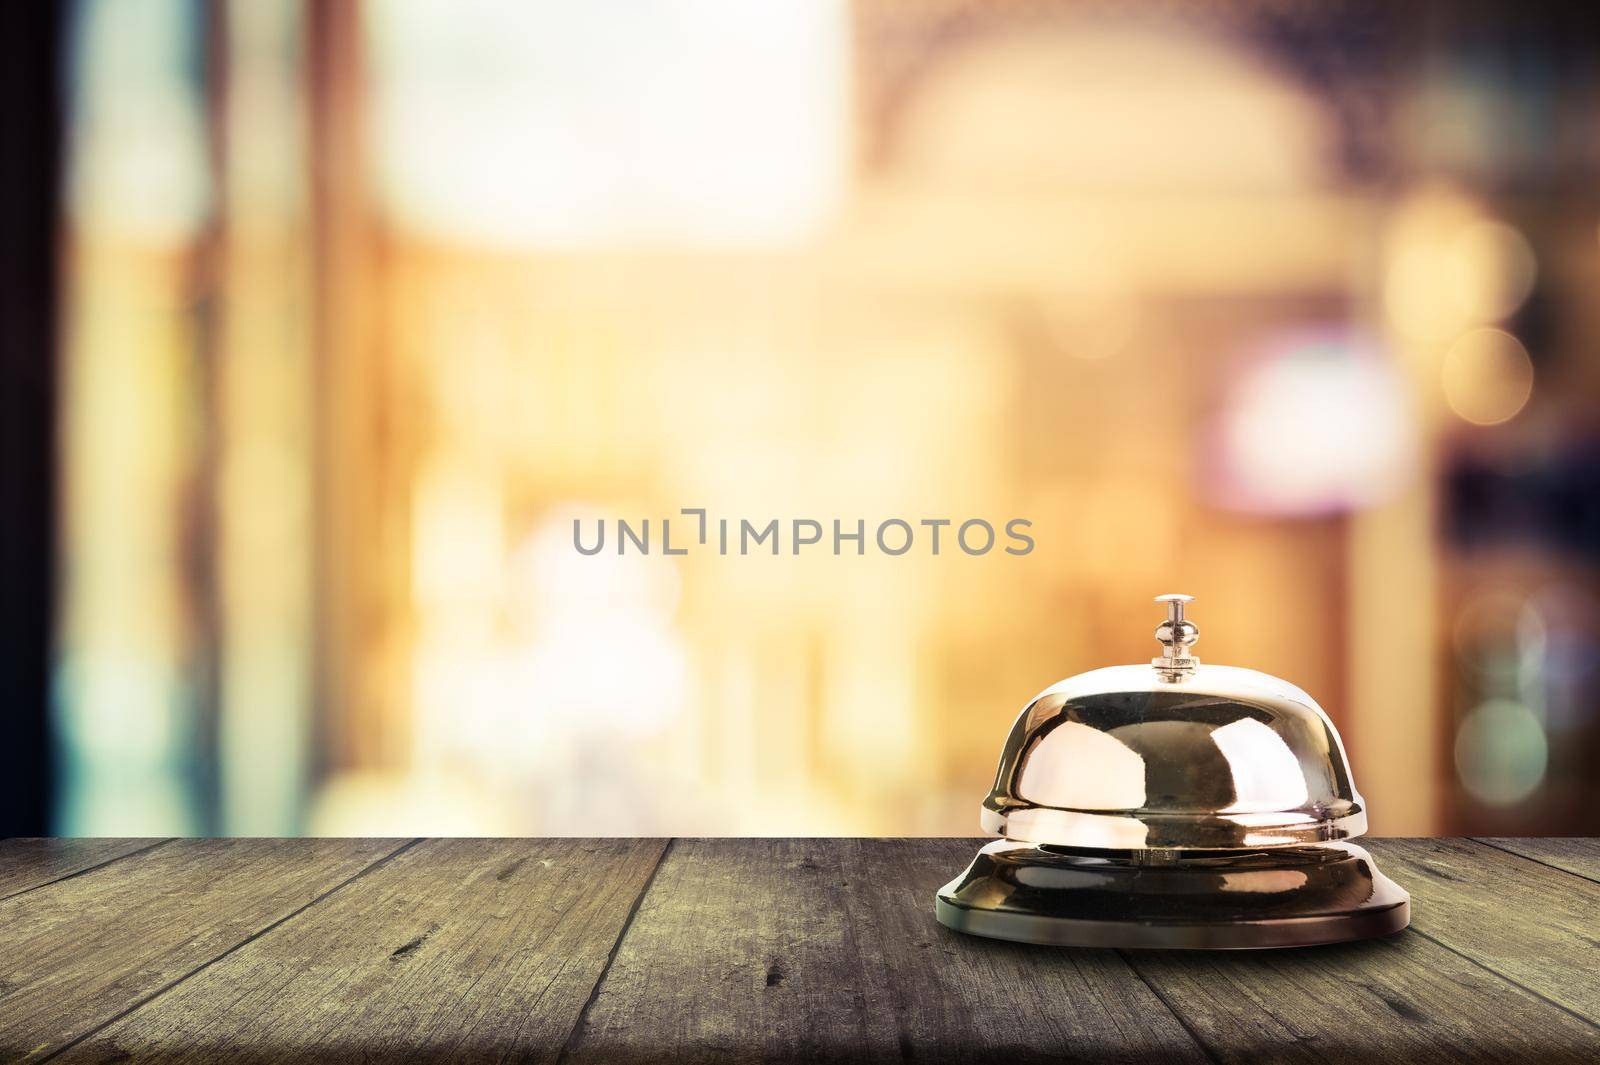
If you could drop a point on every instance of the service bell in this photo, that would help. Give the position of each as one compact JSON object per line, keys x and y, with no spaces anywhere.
{"x":1174,"y":805}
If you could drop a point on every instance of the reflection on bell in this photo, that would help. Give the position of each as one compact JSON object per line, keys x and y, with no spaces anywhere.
{"x":1174,"y":805}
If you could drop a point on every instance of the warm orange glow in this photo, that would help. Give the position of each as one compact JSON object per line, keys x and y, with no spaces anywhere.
{"x":359,"y":330}
{"x":1487,"y":376}
{"x":1491,"y":270}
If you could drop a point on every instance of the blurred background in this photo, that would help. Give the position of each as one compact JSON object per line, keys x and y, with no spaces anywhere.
{"x":337,"y":314}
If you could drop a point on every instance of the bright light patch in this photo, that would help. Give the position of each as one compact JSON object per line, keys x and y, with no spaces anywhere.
{"x":1267,"y":777}
{"x":1490,"y":268}
{"x":1320,"y":424}
{"x":1081,"y":768}
{"x":137,"y":136}
{"x":1451,"y":267}
{"x":600,"y":653}
{"x":550,"y":124}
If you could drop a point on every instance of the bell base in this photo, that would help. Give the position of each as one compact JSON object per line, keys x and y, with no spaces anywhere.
{"x":1246,"y":900}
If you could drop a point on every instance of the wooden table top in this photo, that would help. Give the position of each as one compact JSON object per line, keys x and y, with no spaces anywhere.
{"x":619,"y":950}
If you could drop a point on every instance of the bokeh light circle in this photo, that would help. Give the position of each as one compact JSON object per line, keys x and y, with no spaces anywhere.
{"x":1491,"y":270}
{"x":1487,"y":376}
{"x":1501,"y":752}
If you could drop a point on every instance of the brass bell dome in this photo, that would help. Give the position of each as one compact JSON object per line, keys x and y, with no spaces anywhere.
{"x":1175,"y":755}
{"x":1174,"y":805}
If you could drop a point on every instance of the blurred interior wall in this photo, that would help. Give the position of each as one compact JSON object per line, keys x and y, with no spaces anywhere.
{"x":356,"y":322}
{"x":30,"y":140}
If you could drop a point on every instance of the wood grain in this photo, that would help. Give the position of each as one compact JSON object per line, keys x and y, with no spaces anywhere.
{"x":76,"y":953}
{"x":26,"y":864}
{"x":827,"y":950}
{"x":1576,"y":855}
{"x":466,"y":949}
{"x":1404,"y":999}
{"x":1539,"y":928}
{"x":1494,"y":967}
{"x":732,"y":950}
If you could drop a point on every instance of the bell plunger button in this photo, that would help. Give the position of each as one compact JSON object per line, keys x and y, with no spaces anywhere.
{"x":1176,"y":636}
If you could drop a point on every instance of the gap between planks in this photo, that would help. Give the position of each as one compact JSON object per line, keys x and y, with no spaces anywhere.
{"x":88,"y":868}
{"x":611,"y":955}
{"x":1531,"y":858}
{"x":1513,"y":981}
{"x":251,"y":938}
{"x":574,"y":1034}
{"x":1183,"y":1022}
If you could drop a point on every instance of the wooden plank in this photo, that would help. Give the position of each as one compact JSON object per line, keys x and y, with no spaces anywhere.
{"x":819,"y":950}
{"x":1536,"y":925}
{"x":743,"y":949}
{"x":77,"y":953}
{"x":1432,"y":993}
{"x":1577,"y":855}
{"x":467,"y":949}
{"x":26,"y":864}
{"x":1404,"y":998}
